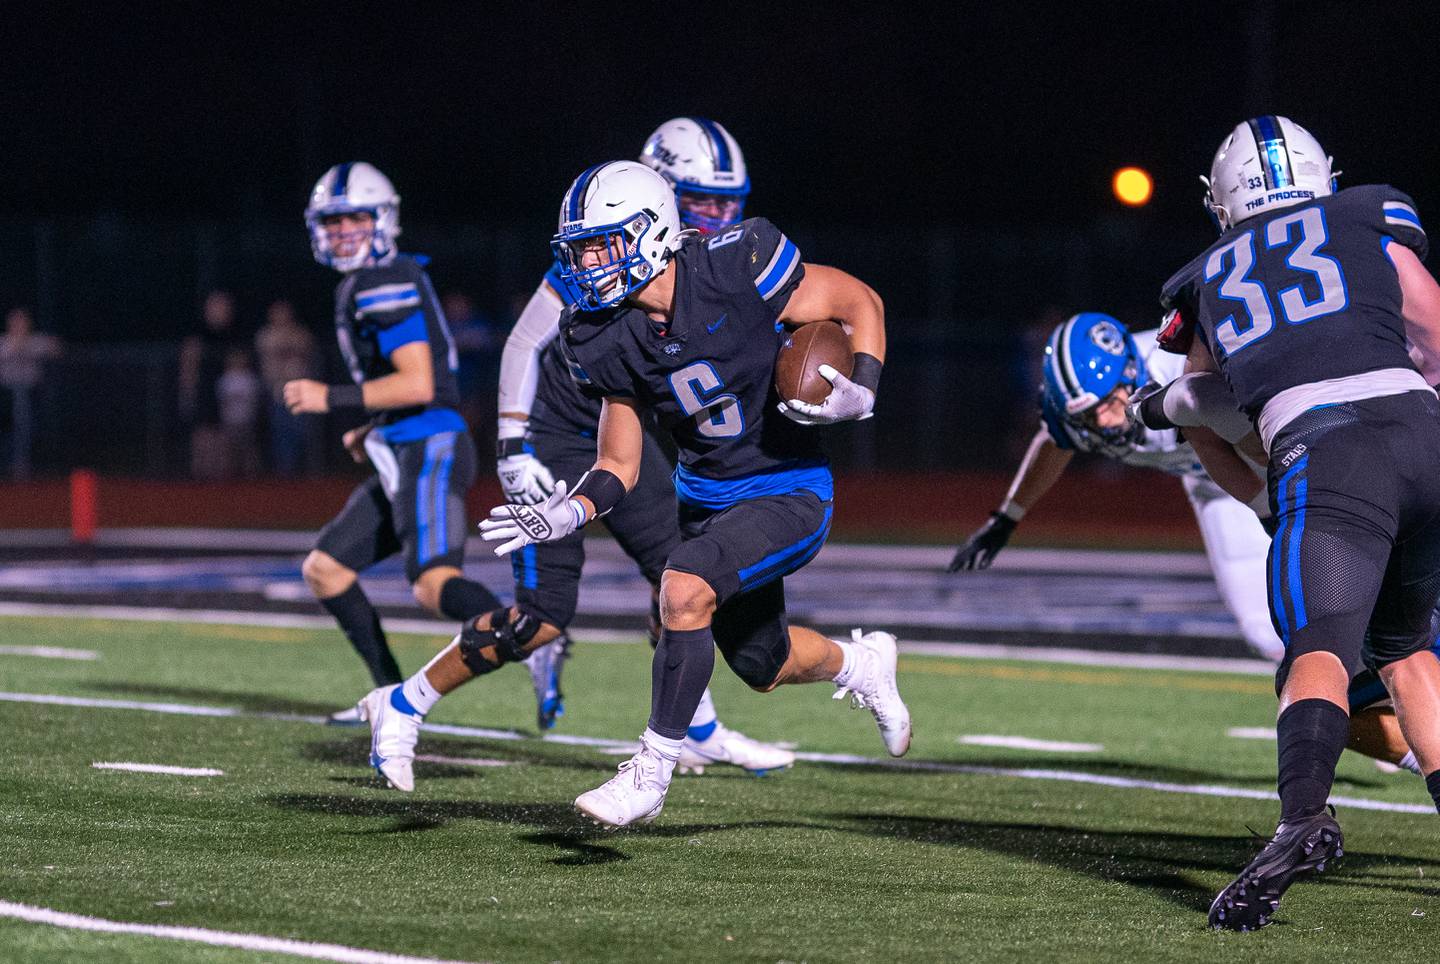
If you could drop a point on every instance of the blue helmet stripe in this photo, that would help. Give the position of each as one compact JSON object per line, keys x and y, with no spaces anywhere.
{"x":717,"y":137}
{"x":342,"y":180}
{"x":1270,"y":139}
{"x":577,"y":193}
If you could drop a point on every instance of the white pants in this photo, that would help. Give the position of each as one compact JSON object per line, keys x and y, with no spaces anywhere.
{"x":1237,"y":546}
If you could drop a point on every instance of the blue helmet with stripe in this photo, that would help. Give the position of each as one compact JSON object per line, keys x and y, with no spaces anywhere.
{"x":705,"y":166}
{"x":618,"y":230}
{"x":1265,"y":163}
{"x":353,"y":188}
{"x":1088,"y":357}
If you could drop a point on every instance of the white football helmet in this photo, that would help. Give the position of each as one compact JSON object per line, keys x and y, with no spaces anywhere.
{"x":347,"y":189}
{"x":699,"y":157}
{"x":1266,"y":163}
{"x":621,"y":218}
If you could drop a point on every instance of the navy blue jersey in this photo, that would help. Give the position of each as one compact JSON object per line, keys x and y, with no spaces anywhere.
{"x":1302,"y":294}
{"x":709,"y":374}
{"x":380,"y":308}
{"x":559,"y":403}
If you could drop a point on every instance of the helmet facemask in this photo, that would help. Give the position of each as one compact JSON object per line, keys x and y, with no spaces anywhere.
{"x":709,"y":210}
{"x":372,"y":244}
{"x":617,"y":267}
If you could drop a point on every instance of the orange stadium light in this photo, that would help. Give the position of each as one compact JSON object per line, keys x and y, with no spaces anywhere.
{"x":1132,"y":186}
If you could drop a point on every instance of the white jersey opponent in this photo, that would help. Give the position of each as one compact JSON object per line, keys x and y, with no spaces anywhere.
{"x":1235,"y":541}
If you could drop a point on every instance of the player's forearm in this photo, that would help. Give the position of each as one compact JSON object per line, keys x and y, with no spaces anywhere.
{"x":537,"y":326}
{"x":1041,"y":468}
{"x":864,"y":319}
{"x":400,"y":390}
{"x":1225,"y":466}
{"x":619,"y":442}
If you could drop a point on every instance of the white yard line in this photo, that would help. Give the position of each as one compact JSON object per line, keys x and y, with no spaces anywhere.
{"x":50,"y":652}
{"x":1251,"y":732}
{"x":1029,"y":743}
{"x":1123,"y":783}
{"x":161,"y":768}
{"x":200,"y":935}
{"x":435,"y":627}
{"x":462,"y":761}
{"x":841,"y":759}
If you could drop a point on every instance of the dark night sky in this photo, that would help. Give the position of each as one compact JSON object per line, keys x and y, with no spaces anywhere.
{"x":482,"y":112}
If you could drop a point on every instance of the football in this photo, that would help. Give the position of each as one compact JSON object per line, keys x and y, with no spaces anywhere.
{"x":797,"y":367}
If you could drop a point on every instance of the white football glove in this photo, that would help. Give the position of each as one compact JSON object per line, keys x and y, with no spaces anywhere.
{"x":524,"y":478}
{"x":847,"y":402}
{"x":514,"y":526}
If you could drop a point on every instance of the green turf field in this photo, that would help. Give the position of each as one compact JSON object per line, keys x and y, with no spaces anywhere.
{"x":825,"y":863}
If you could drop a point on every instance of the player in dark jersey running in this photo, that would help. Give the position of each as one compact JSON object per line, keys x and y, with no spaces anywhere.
{"x":395,"y":342}
{"x":688,"y":328}
{"x":547,"y":431}
{"x":1304,"y":305}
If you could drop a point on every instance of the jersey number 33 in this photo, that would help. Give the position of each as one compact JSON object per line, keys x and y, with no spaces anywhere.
{"x":1318,"y":288}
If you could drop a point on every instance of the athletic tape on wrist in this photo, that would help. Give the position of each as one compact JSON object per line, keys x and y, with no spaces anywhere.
{"x":866,"y":371}
{"x":339,"y":397}
{"x":1011,"y":510}
{"x":603,"y":489}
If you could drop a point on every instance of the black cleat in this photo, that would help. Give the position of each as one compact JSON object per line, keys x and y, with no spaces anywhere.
{"x":1303,"y":846}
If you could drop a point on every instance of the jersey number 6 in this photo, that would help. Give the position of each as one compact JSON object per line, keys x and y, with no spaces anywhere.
{"x":1304,"y":258}
{"x":696,"y":388}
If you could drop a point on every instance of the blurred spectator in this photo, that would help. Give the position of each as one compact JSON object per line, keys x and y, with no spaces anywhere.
{"x":478,"y":341}
{"x":202,"y":361}
{"x":287,"y":351}
{"x":237,"y":394}
{"x":23,"y":352}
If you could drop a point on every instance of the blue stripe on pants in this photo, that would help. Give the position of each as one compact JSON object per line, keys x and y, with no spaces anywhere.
{"x":786,"y":560}
{"x":430,"y":493}
{"x":1285,"y":552}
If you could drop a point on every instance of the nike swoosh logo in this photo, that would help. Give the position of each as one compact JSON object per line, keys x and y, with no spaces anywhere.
{"x":717,"y":323}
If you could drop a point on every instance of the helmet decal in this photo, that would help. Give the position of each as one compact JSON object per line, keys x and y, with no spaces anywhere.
{"x":1107,"y":337}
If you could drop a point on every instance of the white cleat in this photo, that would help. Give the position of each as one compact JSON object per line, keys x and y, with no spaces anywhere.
{"x":393,"y":735}
{"x":725,"y":745}
{"x":874,"y":689}
{"x":634,"y":795}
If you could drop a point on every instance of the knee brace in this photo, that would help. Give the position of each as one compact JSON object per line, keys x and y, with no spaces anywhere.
{"x":508,"y":639}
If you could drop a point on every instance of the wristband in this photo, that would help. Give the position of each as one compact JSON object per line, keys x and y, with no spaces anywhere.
{"x":344,"y":396}
{"x":603,"y":489}
{"x":866,"y":371}
{"x":506,"y":447}
{"x":1011,"y":510}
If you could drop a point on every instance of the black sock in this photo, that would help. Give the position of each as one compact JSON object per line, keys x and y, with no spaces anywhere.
{"x":1311,"y":734}
{"x":361,"y":625}
{"x":679,"y":674}
{"x":462,"y":599}
{"x":1432,"y":783}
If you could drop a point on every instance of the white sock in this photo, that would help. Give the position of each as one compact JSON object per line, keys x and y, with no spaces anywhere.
{"x":850,"y":668}
{"x":704,"y":713}
{"x":667,"y":748}
{"x":1408,"y":762}
{"x":420,"y":693}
